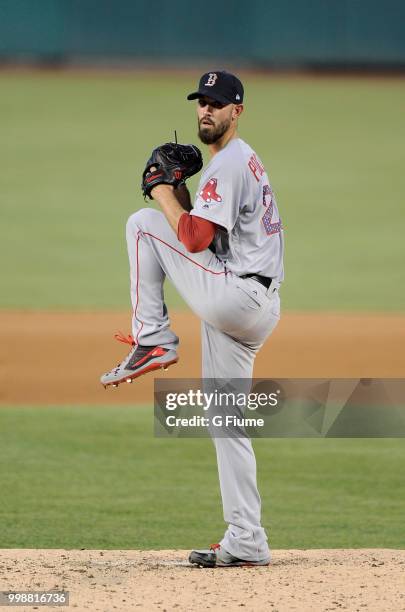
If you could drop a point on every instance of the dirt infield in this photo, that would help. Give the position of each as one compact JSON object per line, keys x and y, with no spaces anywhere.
{"x":301,"y":580}
{"x":57,"y":358}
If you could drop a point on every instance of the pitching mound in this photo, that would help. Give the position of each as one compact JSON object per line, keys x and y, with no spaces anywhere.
{"x":57,"y":358}
{"x":316,"y":580}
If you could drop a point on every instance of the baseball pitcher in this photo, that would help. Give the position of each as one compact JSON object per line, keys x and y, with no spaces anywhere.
{"x":224,"y":255}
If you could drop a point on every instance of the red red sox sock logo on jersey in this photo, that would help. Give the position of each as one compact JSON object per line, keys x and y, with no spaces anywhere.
{"x":209,"y":191}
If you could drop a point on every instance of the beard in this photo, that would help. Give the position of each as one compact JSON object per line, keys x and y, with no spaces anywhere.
{"x":211,"y":134}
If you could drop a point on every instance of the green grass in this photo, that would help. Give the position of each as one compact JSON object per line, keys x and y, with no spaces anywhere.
{"x":97,"y":478}
{"x":73,"y":148}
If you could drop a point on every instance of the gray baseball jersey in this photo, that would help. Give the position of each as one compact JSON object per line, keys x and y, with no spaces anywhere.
{"x":235,"y":193}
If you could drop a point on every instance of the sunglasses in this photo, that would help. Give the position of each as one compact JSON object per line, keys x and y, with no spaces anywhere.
{"x":213,"y":103}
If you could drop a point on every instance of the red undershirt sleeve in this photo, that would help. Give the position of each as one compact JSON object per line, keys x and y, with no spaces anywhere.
{"x":195,"y":233}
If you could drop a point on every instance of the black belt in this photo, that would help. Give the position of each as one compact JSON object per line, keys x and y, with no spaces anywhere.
{"x":263,"y":280}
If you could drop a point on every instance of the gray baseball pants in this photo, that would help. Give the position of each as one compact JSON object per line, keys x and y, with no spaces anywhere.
{"x":237,"y":315}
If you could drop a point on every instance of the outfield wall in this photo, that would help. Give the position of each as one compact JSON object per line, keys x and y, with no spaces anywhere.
{"x":269,"y":33}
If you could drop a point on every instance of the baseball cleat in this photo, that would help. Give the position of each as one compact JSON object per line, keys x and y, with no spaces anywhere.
{"x":140,"y":360}
{"x":217,"y":556}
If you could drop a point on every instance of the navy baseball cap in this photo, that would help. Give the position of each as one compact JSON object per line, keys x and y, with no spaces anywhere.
{"x":221,"y":86}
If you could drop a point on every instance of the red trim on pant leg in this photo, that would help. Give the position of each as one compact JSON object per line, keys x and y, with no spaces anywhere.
{"x":137,"y":272}
{"x":137,"y":289}
{"x":185,"y":256}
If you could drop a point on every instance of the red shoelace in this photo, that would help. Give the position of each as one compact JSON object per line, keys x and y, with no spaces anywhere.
{"x":129,"y":339}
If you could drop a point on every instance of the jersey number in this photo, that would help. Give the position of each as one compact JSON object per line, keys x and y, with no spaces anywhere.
{"x":271,"y":228}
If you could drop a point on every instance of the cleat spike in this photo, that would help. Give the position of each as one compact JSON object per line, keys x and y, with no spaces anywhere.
{"x":115,"y":385}
{"x":129,"y":380}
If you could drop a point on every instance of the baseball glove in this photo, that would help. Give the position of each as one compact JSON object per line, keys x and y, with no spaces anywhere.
{"x":171,"y":164}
